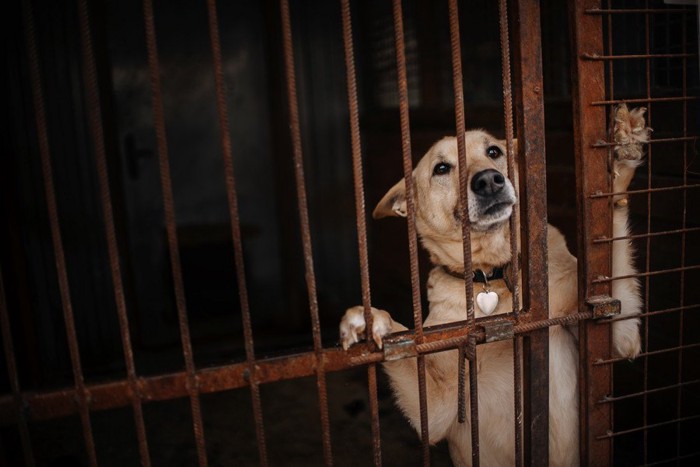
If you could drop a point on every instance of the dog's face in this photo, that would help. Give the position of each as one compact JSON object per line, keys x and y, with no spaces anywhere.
{"x":436,"y":181}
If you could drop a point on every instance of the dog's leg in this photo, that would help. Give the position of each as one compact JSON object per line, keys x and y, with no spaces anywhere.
{"x":403,"y":374}
{"x":630,"y":133}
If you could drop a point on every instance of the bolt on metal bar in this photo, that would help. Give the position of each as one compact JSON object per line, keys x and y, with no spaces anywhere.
{"x":402,"y":81}
{"x":295,"y":133}
{"x":231,"y":194}
{"x":13,"y":377}
{"x":82,"y":395}
{"x":360,"y":217}
{"x":95,"y":123}
{"x":171,"y":230}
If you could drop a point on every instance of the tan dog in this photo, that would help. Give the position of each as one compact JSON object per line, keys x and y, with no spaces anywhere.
{"x":491,"y":201}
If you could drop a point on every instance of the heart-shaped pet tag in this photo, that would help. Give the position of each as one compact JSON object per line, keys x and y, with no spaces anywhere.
{"x":487,"y":301}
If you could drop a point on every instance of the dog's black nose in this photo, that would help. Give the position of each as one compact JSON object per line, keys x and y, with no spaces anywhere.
{"x":488,"y":182}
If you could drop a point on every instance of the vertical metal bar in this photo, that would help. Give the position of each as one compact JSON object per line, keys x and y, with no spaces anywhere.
{"x":94,"y":110}
{"x":534,"y":252}
{"x":64,"y":289}
{"x":647,"y":291}
{"x":356,"y":146}
{"x":508,"y":122}
{"x":411,"y":219}
{"x":461,"y":157}
{"x":295,"y":131}
{"x":13,"y":377}
{"x":684,"y":78}
{"x":171,"y":229}
{"x":518,"y":393}
{"x":231,"y":193}
{"x":594,"y":259}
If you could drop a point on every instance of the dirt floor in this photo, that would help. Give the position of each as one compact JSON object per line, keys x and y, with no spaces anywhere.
{"x":292,"y":429}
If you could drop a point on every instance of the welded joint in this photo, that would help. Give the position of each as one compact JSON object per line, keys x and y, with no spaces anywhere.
{"x":398,"y":347}
{"x":603,"y":306}
{"x":498,"y":330}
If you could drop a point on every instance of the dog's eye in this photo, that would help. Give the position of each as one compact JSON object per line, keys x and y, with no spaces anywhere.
{"x":442,"y":168}
{"x":494,"y":152}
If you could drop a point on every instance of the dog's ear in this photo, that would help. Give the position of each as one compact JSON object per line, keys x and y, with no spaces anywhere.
{"x":393,"y":203}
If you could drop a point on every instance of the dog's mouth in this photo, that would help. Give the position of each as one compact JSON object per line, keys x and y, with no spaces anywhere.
{"x":496,"y":208}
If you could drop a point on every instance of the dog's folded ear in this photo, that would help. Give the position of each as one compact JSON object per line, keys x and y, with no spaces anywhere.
{"x":393,"y":203}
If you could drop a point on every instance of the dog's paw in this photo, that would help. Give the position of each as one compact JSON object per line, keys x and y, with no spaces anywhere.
{"x":626,"y":338}
{"x":629,"y":133}
{"x":352,"y":326}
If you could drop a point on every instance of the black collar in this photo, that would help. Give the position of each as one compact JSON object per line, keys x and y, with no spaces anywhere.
{"x":500,"y":272}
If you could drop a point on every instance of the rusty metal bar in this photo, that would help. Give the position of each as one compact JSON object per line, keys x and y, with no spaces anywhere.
{"x":609,"y":399}
{"x":80,"y":392}
{"x":603,"y":280}
{"x":103,"y":396}
{"x":600,"y":194}
{"x":594,"y":259}
{"x":530,"y":119}
{"x":646,"y":354}
{"x":13,"y":377}
{"x":651,"y":234}
{"x":458,"y":86}
{"x":657,"y":312}
{"x":402,"y":82}
{"x":646,"y":100}
{"x":356,"y":147}
{"x":635,"y":56}
{"x":612,"y":11}
{"x":295,"y":133}
{"x":646,"y":427}
{"x":94,"y":110}
{"x":192,"y":383}
{"x":601,"y":144}
{"x":239,"y":260}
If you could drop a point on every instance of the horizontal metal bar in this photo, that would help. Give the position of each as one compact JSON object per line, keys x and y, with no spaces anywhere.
{"x":672,"y":459}
{"x":604,"y":144}
{"x":656,"y":312}
{"x":647,"y":190}
{"x":647,"y":427}
{"x":647,"y":354}
{"x":646,"y":274}
{"x":593,"y":56}
{"x":612,"y":11}
{"x":609,"y":399}
{"x":647,"y":235}
{"x":103,"y":396}
{"x":646,"y":100}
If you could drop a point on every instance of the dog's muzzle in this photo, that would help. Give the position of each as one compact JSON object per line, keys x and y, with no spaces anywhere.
{"x":492,"y":200}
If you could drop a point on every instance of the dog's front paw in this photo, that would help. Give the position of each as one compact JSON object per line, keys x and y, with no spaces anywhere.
{"x":352,"y":326}
{"x":626,"y":338}
{"x":630,"y":133}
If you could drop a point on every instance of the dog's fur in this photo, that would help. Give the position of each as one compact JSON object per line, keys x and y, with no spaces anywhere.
{"x":439,"y":226}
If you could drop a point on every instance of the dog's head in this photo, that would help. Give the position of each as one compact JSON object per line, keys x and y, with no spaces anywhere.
{"x":436,"y":182}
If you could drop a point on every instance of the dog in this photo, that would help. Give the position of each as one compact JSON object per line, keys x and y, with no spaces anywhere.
{"x":491,"y":201}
